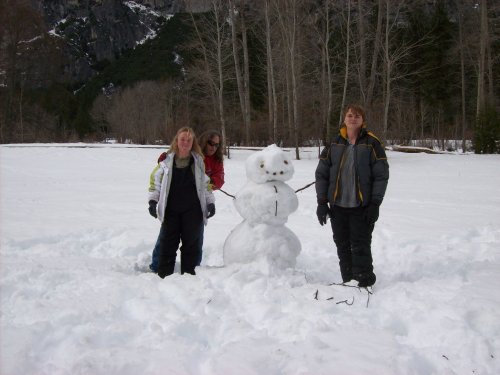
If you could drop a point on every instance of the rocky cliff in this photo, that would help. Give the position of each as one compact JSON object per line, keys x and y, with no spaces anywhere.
{"x":96,"y":32}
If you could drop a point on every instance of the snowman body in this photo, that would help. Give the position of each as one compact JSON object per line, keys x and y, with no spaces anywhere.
{"x":265,"y":202}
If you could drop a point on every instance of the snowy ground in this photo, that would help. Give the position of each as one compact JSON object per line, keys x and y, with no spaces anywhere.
{"x":76,"y":233}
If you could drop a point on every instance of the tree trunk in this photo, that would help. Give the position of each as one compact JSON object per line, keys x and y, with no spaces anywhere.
{"x":246,"y":76}
{"x":236,"y":58}
{"x":216,"y":84}
{"x":206,"y":65}
{"x":347,"y":48}
{"x":387,"y":91}
{"x":220,"y":90}
{"x":376,"y":50}
{"x":241,"y":79}
{"x":329,"y":98}
{"x":271,"y":86}
{"x":462,"y":72}
{"x":362,"y":51}
{"x":289,"y":28}
{"x":482,"y":56}
{"x":21,"y":123}
{"x":491,"y":90}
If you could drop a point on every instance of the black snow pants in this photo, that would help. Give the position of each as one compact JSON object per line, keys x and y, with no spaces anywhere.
{"x":353,"y":237}
{"x":183,"y":221}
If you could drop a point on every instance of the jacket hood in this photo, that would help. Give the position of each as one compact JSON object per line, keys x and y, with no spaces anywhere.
{"x":343,"y":131}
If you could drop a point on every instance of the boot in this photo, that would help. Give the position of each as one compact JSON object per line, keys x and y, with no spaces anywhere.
{"x":366,"y":279}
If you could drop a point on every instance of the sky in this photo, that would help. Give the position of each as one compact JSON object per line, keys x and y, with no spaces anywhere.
{"x":76,"y":296}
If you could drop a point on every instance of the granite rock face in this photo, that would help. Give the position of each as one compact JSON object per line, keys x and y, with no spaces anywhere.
{"x":96,"y":32}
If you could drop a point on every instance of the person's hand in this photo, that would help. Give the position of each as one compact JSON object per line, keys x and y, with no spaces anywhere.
{"x":371,"y":213}
{"x":210,"y":210}
{"x":322,"y":212}
{"x":152,"y":209}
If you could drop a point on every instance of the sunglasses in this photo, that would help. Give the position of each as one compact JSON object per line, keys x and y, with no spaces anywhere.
{"x":213,"y":144}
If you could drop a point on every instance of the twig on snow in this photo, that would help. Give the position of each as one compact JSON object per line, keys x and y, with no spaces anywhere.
{"x":368,"y":291}
{"x":342,"y":284}
{"x":346,"y":302}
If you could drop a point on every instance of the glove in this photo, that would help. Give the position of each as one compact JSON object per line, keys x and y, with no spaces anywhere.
{"x":152,"y":209}
{"x":371,"y":213}
{"x":322,"y":212}
{"x":210,"y":210}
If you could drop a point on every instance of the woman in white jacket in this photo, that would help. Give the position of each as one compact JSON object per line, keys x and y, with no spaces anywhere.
{"x":181,"y":198}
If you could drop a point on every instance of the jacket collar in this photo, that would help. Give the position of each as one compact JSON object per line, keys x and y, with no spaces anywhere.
{"x":343,"y":132}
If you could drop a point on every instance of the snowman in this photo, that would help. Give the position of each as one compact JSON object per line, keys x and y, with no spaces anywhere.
{"x":265,"y":203}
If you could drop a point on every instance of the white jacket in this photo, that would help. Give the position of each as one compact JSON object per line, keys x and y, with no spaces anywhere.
{"x":161,"y":177}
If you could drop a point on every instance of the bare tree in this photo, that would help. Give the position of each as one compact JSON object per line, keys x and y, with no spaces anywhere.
{"x":377,"y":43}
{"x":271,"y":84}
{"x":483,"y":40}
{"x":28,"y":58}
{"x":211,"y":40}
{"x":347,"y":48}
{"x":485,"y":62}
{"x":395,"y":53}
{"x":362,"y":48}
{"x":137,"y":113}
{"x":237,"y":16}
{"x":461,"y":46}
{"x":324,"y":32}
{"x":289,"y":18}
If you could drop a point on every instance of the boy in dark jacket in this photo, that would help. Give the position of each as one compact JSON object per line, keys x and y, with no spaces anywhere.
{"x":351,"y":180}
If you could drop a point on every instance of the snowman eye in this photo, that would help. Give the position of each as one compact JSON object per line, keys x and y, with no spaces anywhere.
{"x":286,"y":162}
{"x":262,"y":165}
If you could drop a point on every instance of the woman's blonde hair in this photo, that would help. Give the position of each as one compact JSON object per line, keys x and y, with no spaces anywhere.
{"x":185,"y":129}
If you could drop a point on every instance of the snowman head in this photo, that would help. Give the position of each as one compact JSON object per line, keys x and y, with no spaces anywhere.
{"x":270,"y":164}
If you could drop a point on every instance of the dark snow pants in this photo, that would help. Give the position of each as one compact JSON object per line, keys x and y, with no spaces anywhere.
{"x":156,"y":252}
{"x":352,"y":236}
{"x":183,"y":221}
{"x":180,"y":226}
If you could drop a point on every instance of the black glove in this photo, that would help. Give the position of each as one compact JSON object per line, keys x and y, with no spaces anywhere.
{"x":152,"y":208}
{"x":210,"y":210}
{"x":371,"y":213}
{"x":322,"y":212}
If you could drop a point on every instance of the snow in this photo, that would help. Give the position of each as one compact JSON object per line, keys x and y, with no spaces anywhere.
{"x":76,"y":238}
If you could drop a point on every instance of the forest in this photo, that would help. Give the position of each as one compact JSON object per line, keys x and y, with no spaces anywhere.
{"x":268,"y":71}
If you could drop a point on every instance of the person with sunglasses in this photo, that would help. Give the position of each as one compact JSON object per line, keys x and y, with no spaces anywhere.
{"x":210,"y":142}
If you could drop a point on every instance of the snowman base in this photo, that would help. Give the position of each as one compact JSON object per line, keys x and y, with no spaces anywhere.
{"x":276,"y":246}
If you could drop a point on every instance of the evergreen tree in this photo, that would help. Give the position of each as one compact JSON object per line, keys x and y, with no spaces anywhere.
{"x":487,"y":132}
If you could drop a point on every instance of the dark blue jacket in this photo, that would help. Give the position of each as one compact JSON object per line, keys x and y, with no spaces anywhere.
{"x":372,"y":169}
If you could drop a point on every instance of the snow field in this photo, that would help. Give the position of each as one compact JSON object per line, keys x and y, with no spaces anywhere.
{"x":76,"y":237}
